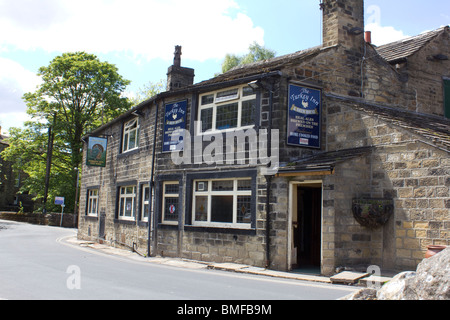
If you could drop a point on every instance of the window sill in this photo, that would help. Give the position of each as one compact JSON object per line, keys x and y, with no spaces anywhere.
{"x":128,"y":153}
{"x":250,"y":232}
{"x":225,"y":131}
{"x":125,"y":221}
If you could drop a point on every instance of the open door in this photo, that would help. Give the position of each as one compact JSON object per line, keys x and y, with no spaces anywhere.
{"x":307,"y":228}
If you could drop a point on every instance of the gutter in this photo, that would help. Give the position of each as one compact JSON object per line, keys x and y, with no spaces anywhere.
{"x":190,"y":89}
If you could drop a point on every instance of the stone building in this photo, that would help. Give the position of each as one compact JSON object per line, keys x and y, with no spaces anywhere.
{"x":332,"y":156}
{"x":11,"y":199}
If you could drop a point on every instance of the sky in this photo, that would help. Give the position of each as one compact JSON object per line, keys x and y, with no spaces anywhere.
{"x":139,"y":36}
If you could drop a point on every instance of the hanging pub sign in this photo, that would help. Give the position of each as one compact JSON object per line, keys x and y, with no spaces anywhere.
{"x":96,"y":152}
{"x":174,"y":125}
{"x":304,"y":116}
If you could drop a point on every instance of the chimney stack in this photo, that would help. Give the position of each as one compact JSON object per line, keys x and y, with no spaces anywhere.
{"x":177,"y":76}
{"x":343,"y":23}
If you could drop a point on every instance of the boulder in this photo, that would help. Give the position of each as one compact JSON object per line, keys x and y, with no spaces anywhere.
{"x":363,"y":294}
{"x":395,"y":289}
{"x":431,"y":281}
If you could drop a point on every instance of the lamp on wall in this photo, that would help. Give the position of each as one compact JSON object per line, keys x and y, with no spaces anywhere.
{"x":255,"y":85}
{"x":137,"y":113}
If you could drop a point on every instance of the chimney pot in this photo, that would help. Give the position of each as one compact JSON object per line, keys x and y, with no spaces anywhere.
{"x":368,"y":37}
{"x":177,"y":57}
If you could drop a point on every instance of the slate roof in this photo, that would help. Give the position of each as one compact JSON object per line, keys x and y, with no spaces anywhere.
{"x":261,"y":67}
{"x":402,"y":49}
{"x":435,"y":129}
{"x":324,"y":161}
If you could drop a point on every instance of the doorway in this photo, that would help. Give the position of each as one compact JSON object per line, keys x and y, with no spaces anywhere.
{"x":306,"y":228}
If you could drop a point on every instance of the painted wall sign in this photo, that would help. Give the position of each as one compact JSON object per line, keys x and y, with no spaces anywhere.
{"x":96,"y":152}
{"x":174,"y":125}
{"x":304,"y":116}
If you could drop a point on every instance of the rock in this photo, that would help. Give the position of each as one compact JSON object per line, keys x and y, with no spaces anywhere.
{"x":431,"y":281}
{"x":394,"y":289}
{"x":363,"y":294}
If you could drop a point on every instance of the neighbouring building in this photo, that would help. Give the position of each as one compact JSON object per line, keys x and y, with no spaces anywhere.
{"x":332,"y":156}
{"x":11,"y":199}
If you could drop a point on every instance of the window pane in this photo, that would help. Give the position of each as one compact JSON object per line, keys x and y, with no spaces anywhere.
{"x":201,"y":208}
{"x":244,"y":209}
{"x":222,"y":185}
{"x":222,"y":209}
{"x":207,"y":99}
{"x":146,"y":193}
{"x":227,"y":95}
{"x":122,"y":207}
{"x":171,"y":209}
{"x":145,"y":213}
{"x":125,"y":142}
{"x":128,"y":207}
{"x":132,"y":143}
{"x":447,"y":98}
{"x":247,"y":91}
{"x":248,"y":112}
{"x":201,"y":186}
{"x":172,"y":188}
{"x":94,"y":206}
{"x":206,"y":119}
{"x":244,"y":185}
{"x":227,"y":116}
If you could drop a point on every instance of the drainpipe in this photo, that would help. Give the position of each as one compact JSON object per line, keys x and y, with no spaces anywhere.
{"x":269,"y":177}
{"x":151,"y":184}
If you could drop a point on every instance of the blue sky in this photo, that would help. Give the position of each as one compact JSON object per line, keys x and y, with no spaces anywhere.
{"x":139,"y":36}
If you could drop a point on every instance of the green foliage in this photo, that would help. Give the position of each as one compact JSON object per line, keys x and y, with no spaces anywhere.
{"x":78,"y":94}
{"x":256,"y":53}
{"x":148,"y":91}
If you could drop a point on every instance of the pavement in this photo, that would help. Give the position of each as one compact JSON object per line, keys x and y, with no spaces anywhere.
{"x":350,"y":278}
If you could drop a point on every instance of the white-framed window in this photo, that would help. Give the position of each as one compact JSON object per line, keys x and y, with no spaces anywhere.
{"x":170,"y":205}
{"x":131,"y":135}
{"x":145,"y":202}
{"x":227,"y":109}
{"x":222,"y":203}
{"x":92,"y":208}
{"x":127,"y":199}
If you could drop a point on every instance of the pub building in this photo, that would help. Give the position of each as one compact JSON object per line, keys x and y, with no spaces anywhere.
{"x":333,"y":156}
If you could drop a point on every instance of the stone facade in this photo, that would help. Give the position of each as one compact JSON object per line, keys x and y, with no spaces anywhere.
{"x":383,"y":136}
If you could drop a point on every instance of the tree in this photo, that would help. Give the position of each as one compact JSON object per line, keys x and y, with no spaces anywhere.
{"x":78,"y":94}
{"x":256,"y":53}
{"x":148,"y":91}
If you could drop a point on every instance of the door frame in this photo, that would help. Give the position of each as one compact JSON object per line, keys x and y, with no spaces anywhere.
{"x":292,"y":206}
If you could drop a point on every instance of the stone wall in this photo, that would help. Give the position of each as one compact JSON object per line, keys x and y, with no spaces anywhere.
{"x":69,"y":220}
{"x":425,"y":76}
{"x":400,"y":167}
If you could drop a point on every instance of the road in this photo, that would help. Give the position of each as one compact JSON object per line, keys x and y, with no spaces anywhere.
{"x":37,"y":264}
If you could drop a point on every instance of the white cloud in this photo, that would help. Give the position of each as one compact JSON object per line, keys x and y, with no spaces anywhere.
{"x":15,"y":80}
{"x":13,"y":119}
{"x":149,"y":28}
{"x":383,"y":35}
